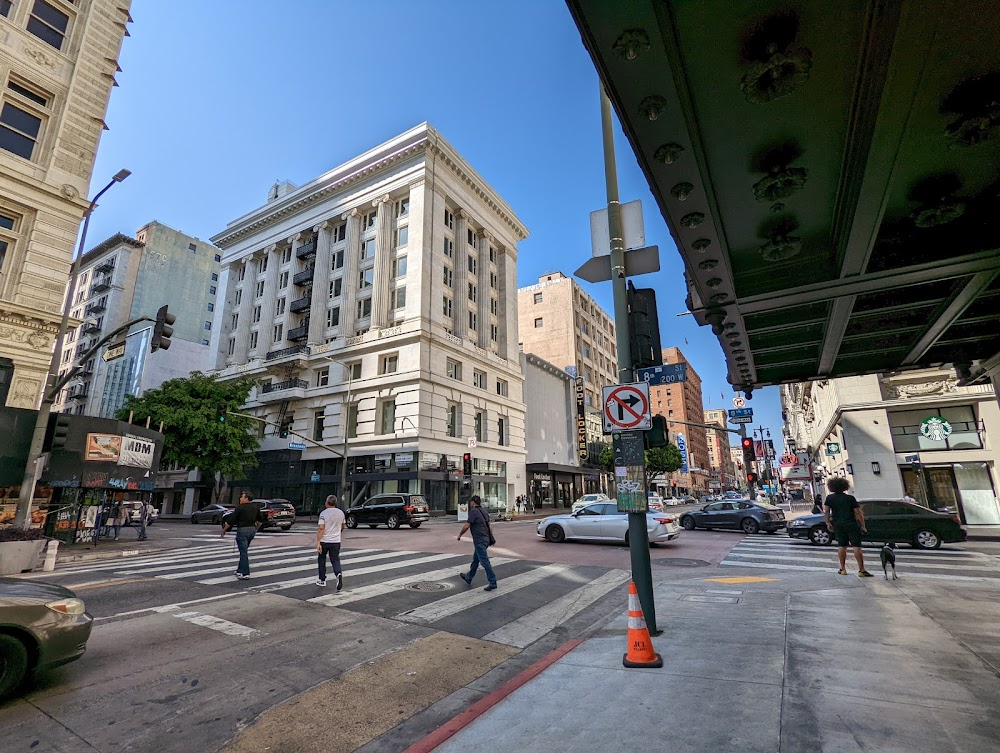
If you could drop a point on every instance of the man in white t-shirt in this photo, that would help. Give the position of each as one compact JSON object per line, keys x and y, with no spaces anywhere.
{"x":331,"y":525}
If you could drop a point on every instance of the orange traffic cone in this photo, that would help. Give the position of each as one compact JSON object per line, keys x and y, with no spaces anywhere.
{"x":640,"y":646}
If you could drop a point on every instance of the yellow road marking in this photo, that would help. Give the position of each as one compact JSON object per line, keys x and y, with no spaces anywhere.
{"x":743,"y":579}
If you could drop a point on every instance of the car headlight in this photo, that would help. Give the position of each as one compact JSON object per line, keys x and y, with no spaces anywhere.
{"x":796,"y":524}
{"x":71,"y":606}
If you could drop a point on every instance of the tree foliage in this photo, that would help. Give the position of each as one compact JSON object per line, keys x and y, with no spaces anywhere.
{"x":606,"y":458}
{"x":193,"y":435}
{"x":662,"y":460}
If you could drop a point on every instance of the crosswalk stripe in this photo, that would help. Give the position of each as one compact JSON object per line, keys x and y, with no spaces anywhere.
{"x":117,"y":562}
{"x":282,"y":585}
{"x":919,"y":553}
{"x":532,"y":626}
{"x":389,"y":586}
{"x":259,"y":569}
{"x":450,"y":605}
{"x":773,"y":566}
{"x":820,"y":558}
{"x":257,"y":555}
{"x":216,"y":623}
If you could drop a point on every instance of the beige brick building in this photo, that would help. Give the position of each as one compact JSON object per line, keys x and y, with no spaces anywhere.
{"x":58,"y":61}
{"x":720,"y":457}
{"x":682,"y":402}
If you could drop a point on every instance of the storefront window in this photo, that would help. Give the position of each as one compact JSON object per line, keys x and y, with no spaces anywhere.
{"x":979,"y":501}
{"x":906,"y":436}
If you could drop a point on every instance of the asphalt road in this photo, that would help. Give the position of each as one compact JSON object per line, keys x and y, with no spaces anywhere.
{"x":186,"y":658}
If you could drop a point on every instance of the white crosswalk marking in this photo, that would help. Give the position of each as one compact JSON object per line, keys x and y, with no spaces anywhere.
{"x":380,"y":589}
{"x":451,"y":605}
{"x":116,"y":563}
{"x":305,"y":562}
{"x":364,"y":570}
{"x":532,"y":626}
{"x":216,"y":623}
{"x":209,"y":559}
{"x":740,"y":555}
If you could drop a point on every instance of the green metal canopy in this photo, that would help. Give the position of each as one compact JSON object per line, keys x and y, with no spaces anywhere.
{"x":829,"y":171}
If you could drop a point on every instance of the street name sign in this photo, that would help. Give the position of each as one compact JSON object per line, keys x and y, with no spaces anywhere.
{"x":626,"y":408}
{"x":296,"y":446}
{"x":114,"y":352}
{"x":741,"y":415}
{"x":668,"y":373}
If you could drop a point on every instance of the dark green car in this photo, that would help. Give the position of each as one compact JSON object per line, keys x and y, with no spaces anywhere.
{"x":42,"y":625}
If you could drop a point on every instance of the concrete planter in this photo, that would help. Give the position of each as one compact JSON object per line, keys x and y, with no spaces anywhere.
{"x":18,"y":556}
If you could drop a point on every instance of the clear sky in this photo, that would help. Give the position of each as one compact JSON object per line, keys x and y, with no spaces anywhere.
{"x":219,"y":99}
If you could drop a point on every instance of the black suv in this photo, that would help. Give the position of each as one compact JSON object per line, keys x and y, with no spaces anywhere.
{"x":278,"y":513}
{"x":391,"y":510}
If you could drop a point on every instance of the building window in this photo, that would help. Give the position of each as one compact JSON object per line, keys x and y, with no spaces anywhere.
{"x":354,"y":371}
{"x":215,"y":277}
{"x":19,"y":128}
{"x":473,"y":322}
{"x":586,"y":351}
{"x":502,"y":438}
{"x":262,"y":263}
{"x":242,"y":273}
{"x":279,"y":330}
{"x":208,"y":325}
{"x":401,"y":236}
{"x":472,"y":292}
{"x":447,"y":308}
{"x":538,"y":298}
{"x":471,"y":235}
{"x":368,"y":220}
{"x":218,"y":258}
{"x":279,"y":307}
{"x":336,"y":287}
{"x":493,"y":280}
{"x":192,"y":248}
{"x":333,"y":317}
{"x":448,"y":276}
{"x":449,"y":247}
{"x":387,"y":417}
{"x":286,"y":255}
{"x":493,"y":255}
{"x":5,"y":6}
{"x":258,"y":292}
{"x":399,"y":267}
{"x":449,"y":220}
{"x":364,"y":308}
{"x":365,"y":278}
{"x":472,"y":265}
{"x":232,"y":345}
{"x":585,"y":327}
{"x":339,"y":233}
{"x":538,"y":323}
{"x":454,"y":419}
{"x":236,"y":321}
{"x":453,"y":370}
{"x":399,"y":298}
{"x":367,"y":249}
{"x":494,"y":306}
{"x":48,"y":23}
{"x":403,"y":207}
{"x":388,"y":364}
{"x":478,"y":422}
{"x":494,"y":332}
{"x":7,"y":222}
{"x":352,"y":420}
{"x":479,"y":379}
{"x":283,"y":280}
{"x":318,"y":418}
{"x":338,"y":260}
{"x":253,"y":340}
{"x":323,"y":377}
{"x":256,"y":314}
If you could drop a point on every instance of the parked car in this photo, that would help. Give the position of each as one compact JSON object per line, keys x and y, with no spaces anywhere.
{"x":655,"y":502}
{"x":392,"y":510}
{"x":42,"y":625}
{"x":739,"y":514}
{"x":278,"y":513}
{"x":889,"y":521}
{"x":135,"y":514}
{"x":603,"y":522}
{"x":210,"y":514}
{"x":589,"y":499}
{"x":672,"y":501}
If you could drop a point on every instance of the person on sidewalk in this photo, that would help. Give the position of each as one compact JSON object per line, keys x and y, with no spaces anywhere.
{"x":907,"y":497}
{"x":145,"y":516}
{"x":120,"y":518}
{"x":482,"y":537}
{"x":246,"y":519}
{"x":328,"y":538}
{"x":846,"y":521}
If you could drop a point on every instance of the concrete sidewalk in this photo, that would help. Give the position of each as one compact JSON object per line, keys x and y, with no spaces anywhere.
{"x":789,"y":662}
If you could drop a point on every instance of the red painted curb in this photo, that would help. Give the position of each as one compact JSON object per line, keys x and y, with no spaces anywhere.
{"x":458,"y":722}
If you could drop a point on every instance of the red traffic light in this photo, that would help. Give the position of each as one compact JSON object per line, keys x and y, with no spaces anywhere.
{"x":747,"y":443}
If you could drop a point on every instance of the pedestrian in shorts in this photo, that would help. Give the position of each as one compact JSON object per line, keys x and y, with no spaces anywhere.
{"x":328,"y":539}
{"x":846,"y":521}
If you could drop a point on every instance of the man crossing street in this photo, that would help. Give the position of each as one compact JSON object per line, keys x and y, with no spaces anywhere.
{"x":246,"y":519}
{"x":328,"y":540}
{"x":482,"y":537}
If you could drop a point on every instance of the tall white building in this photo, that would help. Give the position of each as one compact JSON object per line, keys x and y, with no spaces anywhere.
{"x":377,"y":304}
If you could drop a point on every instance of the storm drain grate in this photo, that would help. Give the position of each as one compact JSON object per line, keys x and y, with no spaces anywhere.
{"x":705,"y":599}
{"x":679,"y":562}
{"x":426,"y":585}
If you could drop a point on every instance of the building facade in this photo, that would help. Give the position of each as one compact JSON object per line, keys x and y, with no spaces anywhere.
{"x":375,"y":305}
{"x":58,"y":61}
{"x":720,"y":458}
{"x":682,"y":402}
{"x":124,"y":278}
{"x":915,"y":432}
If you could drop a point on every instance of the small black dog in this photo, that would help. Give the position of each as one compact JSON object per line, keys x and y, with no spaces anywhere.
{"x":888,"y":557}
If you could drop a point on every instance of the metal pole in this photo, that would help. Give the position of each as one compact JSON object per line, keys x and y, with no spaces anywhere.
{"x":27,"y":492}
{"x":638,"y":538}
{"x":344,"y":496}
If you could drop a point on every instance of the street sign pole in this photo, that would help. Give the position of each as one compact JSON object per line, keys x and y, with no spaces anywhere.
{"x":642,"y":574}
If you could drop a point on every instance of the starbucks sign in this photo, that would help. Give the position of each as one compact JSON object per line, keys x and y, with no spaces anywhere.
{"x":935,"y":428}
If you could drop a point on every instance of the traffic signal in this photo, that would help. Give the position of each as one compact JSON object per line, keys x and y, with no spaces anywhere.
{"x":60,"y":432}
{"x":162,"y":330}
{"x":467,"y":464}
{"x":657,"y":436}
{"x":220,"y":413}
{"x":643,"y":328}
{"x":749,"y":456}
{"x":752,"y":478}
{"x":283,"y":431}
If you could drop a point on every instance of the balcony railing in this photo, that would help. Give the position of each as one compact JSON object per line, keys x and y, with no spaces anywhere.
{"x":78,"y":395}
{"x":306,"y":250}
{"x":289,"y":384}
{"x":101,"y":285}
{"x":106,"y":266}
{"x":305,"y":276}
{"x":285,"y":352}
{"x":299,"y":333}
{"x":94,"y":308}
{"x":91,"y":328}
{"x":301,"y":304}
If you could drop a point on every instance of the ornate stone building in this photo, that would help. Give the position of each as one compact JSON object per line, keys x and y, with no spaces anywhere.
{"x":58,"y":61}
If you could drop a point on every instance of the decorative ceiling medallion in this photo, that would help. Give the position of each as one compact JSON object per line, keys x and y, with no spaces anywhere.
{"x":733,"y":335}
{"x":668,"y":153}
{"x":701,"y":245}
{"x":777,"y":207}
{"x":777,"y":76}
{"x":780,"y":183}
{"x":653,"y":106}
{"x":940,"y":204}
{"x":942,"y":214}
{"x":729,"y":325}
{"x":693,"y":220}
{"x":738,"y":350}
{"x":977,"y":102}
{"x":681,"y":191}
{"x":719,"y":297}
{"x":781,"y":243}
{"x":630,"y":43}
{"x":715,"y":283}
{"x":708,"y":264}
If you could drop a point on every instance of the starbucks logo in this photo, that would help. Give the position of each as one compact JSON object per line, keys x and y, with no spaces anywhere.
{"x":935,"y":428}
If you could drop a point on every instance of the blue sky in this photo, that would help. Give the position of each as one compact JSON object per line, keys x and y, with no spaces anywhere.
{"x":219,"y":99}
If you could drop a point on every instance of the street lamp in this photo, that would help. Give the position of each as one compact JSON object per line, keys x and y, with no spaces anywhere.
{"x":23,"y":518}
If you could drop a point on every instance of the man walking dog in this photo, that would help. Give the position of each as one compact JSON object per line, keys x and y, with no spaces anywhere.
{"x":846,"y":521}
{"x":482,"y":537}
{"x":328,"y":540}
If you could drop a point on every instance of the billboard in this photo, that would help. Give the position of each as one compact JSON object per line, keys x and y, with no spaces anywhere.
{"x":104,"y":448}
{"x":795,"y":467}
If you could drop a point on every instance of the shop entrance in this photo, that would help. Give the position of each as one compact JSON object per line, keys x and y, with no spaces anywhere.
{"x":963,"y":488}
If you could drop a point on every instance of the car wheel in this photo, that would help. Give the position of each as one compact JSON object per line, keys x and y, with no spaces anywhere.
{"x":687,"y":522}
{"x":626,"y":538}
{"x":352,"y":522}
{"x":13,"y":664}
{"x":555,"y":533}
{"x":414,"y":525}
{"x":926,"y":539}
{"x":194,"y":520}
{"x":215,"y":519}
{"x":286,"y":528}
{"x":393,"y":522}
{"x":820,"y":535}
{"x":749,"y":525}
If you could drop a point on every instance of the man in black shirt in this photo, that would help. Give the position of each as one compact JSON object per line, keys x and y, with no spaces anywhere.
{"x":246,"y":519}
{"x":846,"y":521}
{"x":482,"y":537}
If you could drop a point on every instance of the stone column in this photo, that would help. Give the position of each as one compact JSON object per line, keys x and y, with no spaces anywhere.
{"x":241,"y":354}
{"x":461,"y":273}
{"x":321,"y":283}
{"x":383,"y":253}
{"x":506,"y":323}
{"x":267,"y":301}
{"x":352,"y":252}
{"x":485,"y":291}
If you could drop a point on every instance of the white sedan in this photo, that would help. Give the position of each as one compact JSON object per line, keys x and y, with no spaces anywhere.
{"x":589,"y":499}
{"x":603,"y":522}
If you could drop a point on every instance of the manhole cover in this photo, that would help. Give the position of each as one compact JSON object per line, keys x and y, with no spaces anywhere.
{"x":426,"y":585}
{"x":679,"y":562}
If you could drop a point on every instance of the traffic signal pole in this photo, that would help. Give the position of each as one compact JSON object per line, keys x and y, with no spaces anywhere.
{"x":638,"y":538}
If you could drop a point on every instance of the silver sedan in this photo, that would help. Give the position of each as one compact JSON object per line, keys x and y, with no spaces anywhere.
{"x":603,"y":522}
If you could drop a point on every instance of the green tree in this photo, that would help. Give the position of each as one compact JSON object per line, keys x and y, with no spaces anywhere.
{"x":193,"y":435}
{"x":606,"y":458}
{"x":661,"y":460}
